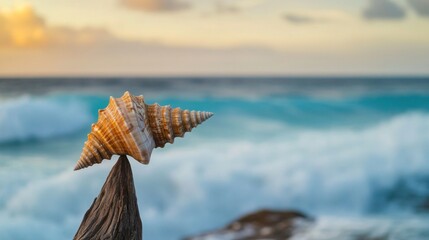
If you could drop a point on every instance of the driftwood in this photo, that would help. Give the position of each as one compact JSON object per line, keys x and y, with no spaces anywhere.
{"x":114,"y":214}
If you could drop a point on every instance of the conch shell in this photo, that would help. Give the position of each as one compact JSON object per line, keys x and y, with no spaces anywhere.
{"x":128,"y":126}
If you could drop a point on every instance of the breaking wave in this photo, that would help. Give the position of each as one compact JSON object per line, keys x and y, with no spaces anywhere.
{"x":38,"y":118}
{"x":379,"y":169}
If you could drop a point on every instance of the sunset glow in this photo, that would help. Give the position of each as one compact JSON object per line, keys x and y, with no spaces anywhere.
{"x":209,"y":37}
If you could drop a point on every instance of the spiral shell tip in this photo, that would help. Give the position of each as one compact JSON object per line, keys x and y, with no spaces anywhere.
{"x":77,"y":167}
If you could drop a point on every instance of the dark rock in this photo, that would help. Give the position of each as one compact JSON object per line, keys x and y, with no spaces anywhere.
{"x":263,"y":224}
{"x":114,"y":214}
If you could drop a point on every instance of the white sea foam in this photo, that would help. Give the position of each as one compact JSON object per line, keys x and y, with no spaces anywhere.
{"x":188,"y":189}
{"x":349,"y":228}
{"x":30,"y":118}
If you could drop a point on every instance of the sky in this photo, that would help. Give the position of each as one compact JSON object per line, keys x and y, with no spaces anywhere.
{"x":213,"y":37}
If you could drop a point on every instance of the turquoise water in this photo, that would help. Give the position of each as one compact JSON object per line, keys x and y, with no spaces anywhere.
{"x":351,"y":152}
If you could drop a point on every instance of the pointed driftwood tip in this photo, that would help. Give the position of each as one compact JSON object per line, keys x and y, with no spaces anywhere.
{"x":114,"y":214}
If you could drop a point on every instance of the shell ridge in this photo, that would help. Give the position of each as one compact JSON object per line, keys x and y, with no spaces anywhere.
{"x":104,"y":152}
{"x":166,"y":120}
{"x":140,"y":137}
{"x":126,"y":103}
{"x":122,"y":137}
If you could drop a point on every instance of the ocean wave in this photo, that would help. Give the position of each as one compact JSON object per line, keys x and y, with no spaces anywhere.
{"x":31,"y":118}
{"x":46,"y":117}
{"x":191,"y":188}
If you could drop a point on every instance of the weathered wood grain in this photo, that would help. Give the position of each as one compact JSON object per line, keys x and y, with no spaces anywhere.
{"x":114,"y":214}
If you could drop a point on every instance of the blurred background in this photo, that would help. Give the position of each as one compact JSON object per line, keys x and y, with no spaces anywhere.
{"x":320,"y":107}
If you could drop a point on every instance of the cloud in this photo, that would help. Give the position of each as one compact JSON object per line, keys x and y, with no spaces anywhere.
{"x":29,"y":46}
{"x":155,"y":5}
{"x":300,"y":19}
{"x":222,"y":8}
{"x":93,"y":51}
{"x":420,"y":6}
{"x":23,"y":28}
{"x":383,"y":10}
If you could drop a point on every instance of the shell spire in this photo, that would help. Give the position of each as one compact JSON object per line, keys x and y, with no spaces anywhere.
{"x":128,"y":126}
